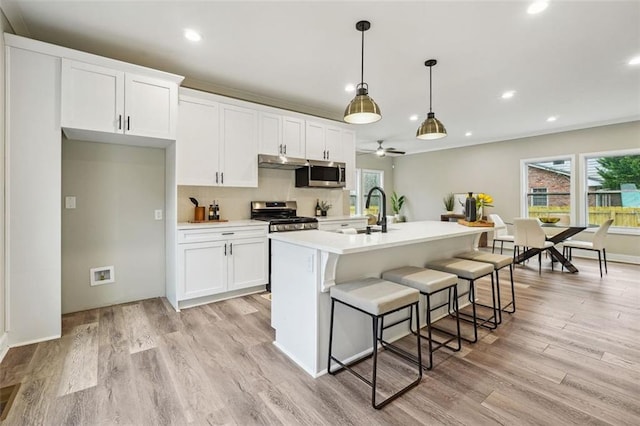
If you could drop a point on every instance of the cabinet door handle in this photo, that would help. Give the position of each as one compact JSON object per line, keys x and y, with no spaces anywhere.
{"x":230,"y":249}
{"x":327,"y":154}
{"x":225,"y":249}
{"x":280,"y":149}
{"x":285,"y":150}
{"x":128,"y":122}
{"x":119,"y":121}
{"x":216,"y":177}
{"x":222,"y":178}
{"x":324,"y":155}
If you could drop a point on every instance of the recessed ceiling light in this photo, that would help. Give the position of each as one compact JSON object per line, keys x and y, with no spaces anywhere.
{"x":537,"y":7}
{"x":552,"y":118}
{"x":509,"y":94}
{"x":635,"y":61}
{"x":349,"y":88}
{"x":192,"y":35}
{"x":414,"y":117}
{"x":468,"y":134}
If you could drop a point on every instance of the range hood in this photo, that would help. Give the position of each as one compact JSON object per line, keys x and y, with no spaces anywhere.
{"x":280,"y":162}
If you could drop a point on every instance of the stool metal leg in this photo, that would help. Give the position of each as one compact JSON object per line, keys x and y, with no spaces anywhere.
{"x":376,"y":320}
{"x":333,"y":304}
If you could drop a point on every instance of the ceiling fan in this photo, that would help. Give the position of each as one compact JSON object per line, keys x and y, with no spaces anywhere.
{"x":383,"y":152}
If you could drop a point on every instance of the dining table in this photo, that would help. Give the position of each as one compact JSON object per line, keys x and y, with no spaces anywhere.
{"x":556,"y":234}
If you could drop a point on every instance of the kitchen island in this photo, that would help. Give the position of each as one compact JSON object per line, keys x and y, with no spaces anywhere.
{"x":306,"y":264}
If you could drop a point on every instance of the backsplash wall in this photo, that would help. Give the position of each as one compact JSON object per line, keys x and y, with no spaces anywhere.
{"x":273,"y":185}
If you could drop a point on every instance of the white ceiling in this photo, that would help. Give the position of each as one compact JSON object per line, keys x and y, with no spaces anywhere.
{"x":570,"y":61}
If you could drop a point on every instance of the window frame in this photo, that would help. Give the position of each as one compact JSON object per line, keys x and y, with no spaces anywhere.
{"x":583,"y":198}
{"x":524,"y":183}
{"x":359,"y":190}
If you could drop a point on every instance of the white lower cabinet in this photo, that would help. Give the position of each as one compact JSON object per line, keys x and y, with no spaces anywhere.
{"x":344,"y":223}
{"x":217,"y":261}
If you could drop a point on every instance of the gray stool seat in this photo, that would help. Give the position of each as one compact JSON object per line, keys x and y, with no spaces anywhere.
{"x":424,"y":280}
{"x":463,"y":268}
{"x":471,"y":270}
{"x":498,"y":261}
{"x":376,"y":298}
{"x":374,"y":295}
{"x":430,"y":283}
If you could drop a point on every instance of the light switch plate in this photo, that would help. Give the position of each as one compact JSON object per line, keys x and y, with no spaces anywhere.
{"x":70,"y":202}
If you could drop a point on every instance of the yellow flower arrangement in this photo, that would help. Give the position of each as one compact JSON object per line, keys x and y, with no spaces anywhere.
{"x":482,"y":201}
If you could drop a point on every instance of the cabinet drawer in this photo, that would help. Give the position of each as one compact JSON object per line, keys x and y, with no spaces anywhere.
{"x":218,"y":234}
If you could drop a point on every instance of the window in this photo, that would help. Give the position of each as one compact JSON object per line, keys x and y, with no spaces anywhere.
{"x":547,"y":187}
{"x":539,"y":200}
{"x":611,"y":183}
{"x":365,"y":180}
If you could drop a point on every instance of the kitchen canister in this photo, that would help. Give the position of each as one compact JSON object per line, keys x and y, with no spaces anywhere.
{"x":199,"y":214}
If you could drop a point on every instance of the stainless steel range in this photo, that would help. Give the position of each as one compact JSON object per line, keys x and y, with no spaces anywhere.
{"x":281,"y":216}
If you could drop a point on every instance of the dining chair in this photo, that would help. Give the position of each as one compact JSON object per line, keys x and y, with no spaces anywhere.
{"x":529,"y":234}
{"x":501,"y":233}
{"x":597,"y":244}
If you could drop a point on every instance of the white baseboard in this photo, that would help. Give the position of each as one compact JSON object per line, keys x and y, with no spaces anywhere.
{"x":4,"y":345}
{"x":30,"y":342}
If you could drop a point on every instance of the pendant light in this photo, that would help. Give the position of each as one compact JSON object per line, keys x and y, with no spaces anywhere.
{"x":431,"y":127}
{"x":362,"y":109}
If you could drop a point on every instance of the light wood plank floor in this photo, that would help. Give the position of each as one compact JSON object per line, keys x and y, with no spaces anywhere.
{"x":569,"y":355}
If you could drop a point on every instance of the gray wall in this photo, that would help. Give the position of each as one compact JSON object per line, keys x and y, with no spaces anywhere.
{"x":117,"y":189}
{"x":495,"y":168}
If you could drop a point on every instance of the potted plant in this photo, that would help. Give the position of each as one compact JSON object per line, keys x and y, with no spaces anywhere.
{"x":324,"y":208}
{"x":396,"y":204}
{"x":449,"y":202}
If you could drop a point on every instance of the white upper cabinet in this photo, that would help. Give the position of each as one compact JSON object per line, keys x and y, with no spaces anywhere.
{"x":198,"y":143}
{"x":239,"y":146}
{"x":217,"y":143}
{"x":324,"y":142}
{"x":349,"y":157}
{"x":281,"y":135}
{"x":113,"y":102}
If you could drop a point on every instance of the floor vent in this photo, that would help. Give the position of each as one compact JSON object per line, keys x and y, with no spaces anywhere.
{"x":7,"y":395}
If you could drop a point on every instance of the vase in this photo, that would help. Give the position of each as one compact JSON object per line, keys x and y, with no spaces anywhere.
{"x":480,"y":212}
{"x":470,"y":208}
{"x":323,"y":212}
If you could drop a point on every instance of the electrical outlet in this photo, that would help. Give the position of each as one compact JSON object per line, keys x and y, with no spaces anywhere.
{"x":158,"y":214}
{"x":70,"y":202}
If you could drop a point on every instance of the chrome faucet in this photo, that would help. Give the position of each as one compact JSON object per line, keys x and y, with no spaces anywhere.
{"x":381,"y":221}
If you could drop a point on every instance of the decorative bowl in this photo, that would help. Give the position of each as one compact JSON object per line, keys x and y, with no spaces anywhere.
{"x":549,"y":219}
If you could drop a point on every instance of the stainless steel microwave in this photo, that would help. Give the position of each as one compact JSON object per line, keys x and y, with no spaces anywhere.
{"x":321,"y":174}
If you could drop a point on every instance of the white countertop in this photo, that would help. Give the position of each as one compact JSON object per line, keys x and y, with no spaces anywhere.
{"x":231,"y":223}
{"x":398,"y":234}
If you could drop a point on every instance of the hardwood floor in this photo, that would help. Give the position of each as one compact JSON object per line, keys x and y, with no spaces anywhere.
{"x":569,"y":355}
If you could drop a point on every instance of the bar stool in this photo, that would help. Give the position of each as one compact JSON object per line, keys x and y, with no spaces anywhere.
{"x":498,"y":261}
{"x":471,"y":271}
{"x":374,"y":297}
{"x":430,"y":283}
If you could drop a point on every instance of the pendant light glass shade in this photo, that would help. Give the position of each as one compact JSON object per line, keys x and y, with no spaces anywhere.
{"x":431,"y":128}
{"x":362,"y":109}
